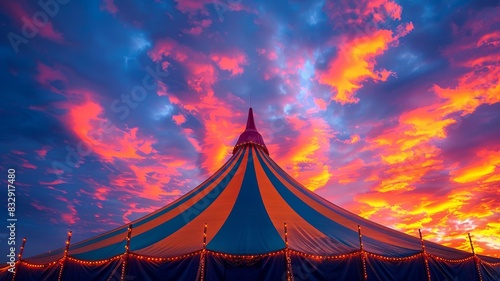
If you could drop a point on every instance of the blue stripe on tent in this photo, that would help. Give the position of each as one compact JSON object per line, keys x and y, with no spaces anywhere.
{"x":309,"y":214}
{"x":165,"y":229}
{"x":292,"y":182}
{"x":324,"y":224}
{"x":248,"y":228}
{"x":123,"y":230}
{"x":311,"y":194}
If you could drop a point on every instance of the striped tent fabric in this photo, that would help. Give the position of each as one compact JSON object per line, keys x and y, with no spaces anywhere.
{"x":252,"y":221}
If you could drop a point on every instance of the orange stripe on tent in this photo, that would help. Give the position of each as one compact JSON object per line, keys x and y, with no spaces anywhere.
{"x":215,"y":215}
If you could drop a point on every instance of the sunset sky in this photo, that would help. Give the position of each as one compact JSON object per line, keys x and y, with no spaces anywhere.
{"x":389,"y":109}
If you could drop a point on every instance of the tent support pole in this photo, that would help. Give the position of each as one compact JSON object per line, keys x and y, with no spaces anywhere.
{"x":20,"y":258}
{"x":65,"y":256}
{"x":201,"y":269}
{"x":476,"y":259}
{"x":362,"y":253}
{"x":424,"y":254}
{"x":127,"y":252}
{"x":289,"y":272}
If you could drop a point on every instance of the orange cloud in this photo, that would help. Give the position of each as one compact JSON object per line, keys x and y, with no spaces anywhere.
{"x":483,"y":166}
{"x":307,"y":161}
{"x":466,"y":200}
{"x":355,"y":63}
{"x":349,"y":172}
{"x":86,"y":119}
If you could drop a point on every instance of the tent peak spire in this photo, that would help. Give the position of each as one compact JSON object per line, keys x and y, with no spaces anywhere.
{"x":250,"y":136}
{"x":250,"y":121}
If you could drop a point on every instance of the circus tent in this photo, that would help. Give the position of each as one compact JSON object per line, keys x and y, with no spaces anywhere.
{"x":252,"y":221}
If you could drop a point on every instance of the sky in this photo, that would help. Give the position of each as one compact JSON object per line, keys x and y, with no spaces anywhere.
{"x":389,"y":109}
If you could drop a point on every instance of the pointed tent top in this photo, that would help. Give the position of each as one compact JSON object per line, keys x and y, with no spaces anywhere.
{"x":250,"y":136}
{"x":250,"y":121}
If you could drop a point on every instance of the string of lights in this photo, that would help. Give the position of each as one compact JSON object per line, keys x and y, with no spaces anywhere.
{"x":450,"y":261}
{"x":127,"y":252}
{"x":289,"y":272}
{"x":163,"y":259}
{"x":63,"y":260}
{"x":477,"y":261}
{"x":362,"y":253}
{"x":95,"y":262}
{"x":20,"y":257}
{"x":321,"y":257}
{"x":491,"y":263}
{"x":201,"y":269}
{"x":231,"y":256}
{"x":280,"y":252}
{"x":424,"y":253}
{"x":415,"y":256}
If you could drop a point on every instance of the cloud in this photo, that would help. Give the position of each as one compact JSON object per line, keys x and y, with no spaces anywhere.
{"x":109,"y":5}
{"x":26,"y":18}
{"x":484,"y":166}
{"x":231,"y":62}
{"x":355,"y":63}
{"x":198,"y":26}
{"x":179,"y":119}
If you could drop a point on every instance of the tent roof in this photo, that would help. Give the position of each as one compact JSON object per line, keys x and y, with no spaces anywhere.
{"x":245,"y":205}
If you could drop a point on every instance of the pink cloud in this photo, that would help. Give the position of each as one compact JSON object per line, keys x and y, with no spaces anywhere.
{"x":179,"y":119}
{"x":269,"y":54}
{"x":365,"y":10}
{"x":48,"y":31}
{"x":55,"y":182}
{"x":232,"y":62}
{"x":28,"y":165}
{"x":46,"y":75}
{"x":192,"y":6}
{"x":71,"y":217}
{"x":23,"y":17}
{"x":109,"y":6}
{"x":37,"y":205}
{"x":100,"y":193}
{"x":320,"y":103}
{"x":198,"y":27}
{"x":198,"y":6}
{"x":42,"y":152}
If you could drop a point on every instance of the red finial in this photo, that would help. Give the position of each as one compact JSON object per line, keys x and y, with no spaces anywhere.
{"x":250,"y":121}
{"x":250,"y":136}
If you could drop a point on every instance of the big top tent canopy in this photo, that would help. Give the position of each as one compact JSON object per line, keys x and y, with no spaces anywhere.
{"x":252,"y":221}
